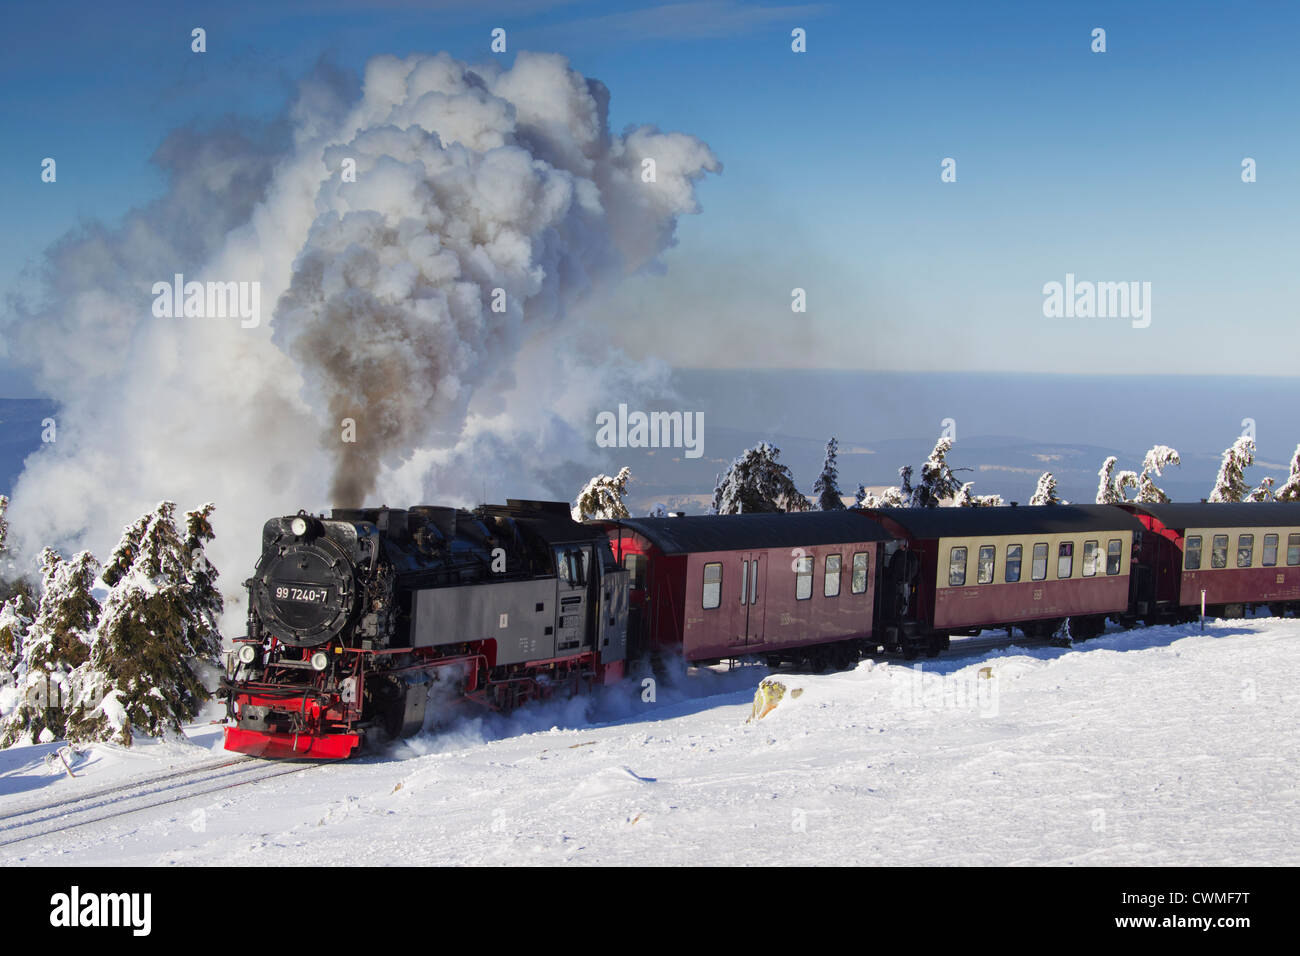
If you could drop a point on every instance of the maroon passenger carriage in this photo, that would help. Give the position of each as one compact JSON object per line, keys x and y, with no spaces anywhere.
{"x":959,"y":570}
{"x":786,"y":587}
{"x":1242,"y":555}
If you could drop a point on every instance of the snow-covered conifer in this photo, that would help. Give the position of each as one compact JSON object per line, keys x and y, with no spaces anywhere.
{"x":1263,"y":492}
{"x":757,"y":482}
{"x":56,"y":643}
{"x":965,"y":499}
{"x":156,"y":635}
{"x":1290,"y":490}
{"x":659,"y":510}
{"x":1156,"y":461}
{"x":1106,"y":482}
{"x":1045,"y":493}
{"x":860,"y":499}
{"x":1230,"y":484}
{"x":1126,"y":481}
{"x":602,"y":497}
{"x":16,"y":616}
{"x":826,"y":489}
{"x":938,"y":483}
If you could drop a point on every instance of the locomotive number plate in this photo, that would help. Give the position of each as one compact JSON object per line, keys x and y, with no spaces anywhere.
{"x":303,"y":593}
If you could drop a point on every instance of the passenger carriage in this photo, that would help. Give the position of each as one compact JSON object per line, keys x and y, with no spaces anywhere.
{"x":1242,"y":555}
{"x":960,"y":570}
{"x":786,"y":587}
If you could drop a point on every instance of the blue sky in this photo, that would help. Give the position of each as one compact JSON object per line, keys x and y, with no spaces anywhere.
{"x":1114,"y":166}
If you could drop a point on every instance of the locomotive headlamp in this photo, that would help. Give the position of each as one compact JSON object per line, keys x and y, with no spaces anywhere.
{"x":320,"y":660}
{"x":298,"y":526}
{"x":247,"y":653}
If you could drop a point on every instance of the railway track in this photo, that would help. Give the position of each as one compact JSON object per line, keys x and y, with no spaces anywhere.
{"x":45,"y":819}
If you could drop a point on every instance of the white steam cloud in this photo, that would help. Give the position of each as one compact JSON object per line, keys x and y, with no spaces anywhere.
{"x":468,"y":181}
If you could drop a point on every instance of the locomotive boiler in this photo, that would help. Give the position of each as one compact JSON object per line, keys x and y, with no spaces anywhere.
{"x":358,"y":620}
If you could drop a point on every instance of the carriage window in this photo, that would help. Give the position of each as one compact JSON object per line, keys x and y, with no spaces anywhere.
{"x":753,"y":581}
{"x":1293,"y":549}
{"x":831,"y":577}
{"x":1065,"y":560}
{"x":957,"y":567}
{"x":803,"y":578}
{"x":1012,"y":573}
{"x":744,"y":581}
{"x":859,"y":583}
{"x":1245,"y":550}
{"x":1219,"y":553}
{"x":1038,"y":571}
{"x":1114,"y":555}
{"x":712,"y":585}
{"x":984,"y":569}
{"x":1270,"y":551}
{"x":636,"y":563}
{"x":1192,"y":553}
{"x":1090,"y":553}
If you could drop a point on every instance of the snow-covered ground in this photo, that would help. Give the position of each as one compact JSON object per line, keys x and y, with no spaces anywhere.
{"x":1157,"y":746}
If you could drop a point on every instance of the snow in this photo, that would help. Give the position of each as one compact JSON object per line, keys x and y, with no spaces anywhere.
{"x":1162,"y":746}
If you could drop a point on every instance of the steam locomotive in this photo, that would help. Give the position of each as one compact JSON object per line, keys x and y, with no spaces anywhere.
{"x":356,"y":621}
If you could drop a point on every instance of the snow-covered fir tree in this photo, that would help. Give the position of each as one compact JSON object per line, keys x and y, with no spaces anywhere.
{"x":1126,"y":481}
{"x":1045,"y":493}
{"x":659,"y":510}
{"x":757,"y":482}
{"x":1262,"y":492}
{"x":1230,"y":484}
{"x":938,"y":483}
{"x":966,"y":499}
{"x":1290,"y":490}
{"x":56,"y":643}
{"x":16,"y":617}
{"x":1156,"y":461}
{"x":156,"y":636}
{"x":602,"y":497}
{"x":1106,"y":494}
{"x":205,"y":598}
{"x":826,"y":489}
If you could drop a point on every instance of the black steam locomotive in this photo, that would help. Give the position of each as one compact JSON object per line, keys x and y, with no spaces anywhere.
{"x":355,"y":619}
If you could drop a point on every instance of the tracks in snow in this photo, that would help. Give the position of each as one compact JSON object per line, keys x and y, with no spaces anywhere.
{"x":32,"y":822}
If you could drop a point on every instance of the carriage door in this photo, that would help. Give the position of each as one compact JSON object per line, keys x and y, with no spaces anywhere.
{"x":572,"y":571}
{"x":754,"y":598}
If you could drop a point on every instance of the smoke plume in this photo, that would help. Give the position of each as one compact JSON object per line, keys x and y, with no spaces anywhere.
{"x":434,"y":300}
